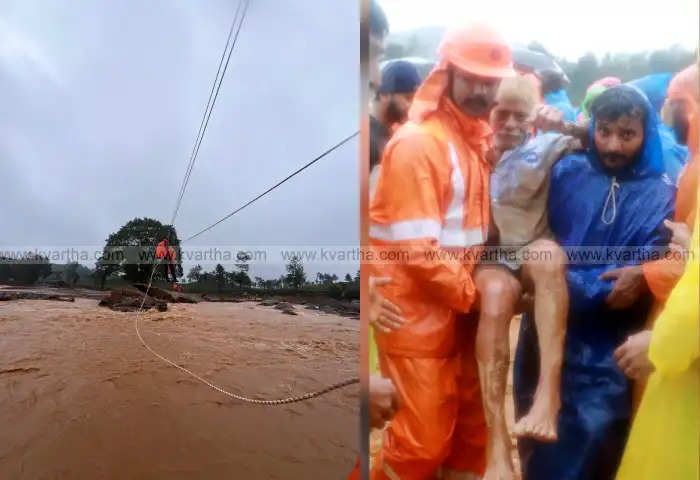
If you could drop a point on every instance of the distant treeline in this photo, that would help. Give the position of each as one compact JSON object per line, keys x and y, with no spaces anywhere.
{"x":222,"y":281}
{"x":626,"y":67}
{"x":27,"y":270}
{"x":423,"y":42}
{"x":35,"y":269}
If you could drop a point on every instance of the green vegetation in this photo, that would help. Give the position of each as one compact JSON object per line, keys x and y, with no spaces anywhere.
{"x":120,"y":257}
{"x":121,"y":266}
{"x":26,"y":270}
{"x":221,"y":281}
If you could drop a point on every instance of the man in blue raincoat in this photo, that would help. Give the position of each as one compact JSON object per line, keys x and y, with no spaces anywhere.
{"x":675,"y":155}
{"x":655,"y":86}
{"x":615,"y":194}
{"x":555,"y":95}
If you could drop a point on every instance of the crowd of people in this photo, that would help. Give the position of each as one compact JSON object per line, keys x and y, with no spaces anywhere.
{"x":481,"y":157}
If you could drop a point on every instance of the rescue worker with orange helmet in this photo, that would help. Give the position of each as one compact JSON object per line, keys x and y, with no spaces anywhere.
{"x":432,"y":195}
{"x":166,"y":253}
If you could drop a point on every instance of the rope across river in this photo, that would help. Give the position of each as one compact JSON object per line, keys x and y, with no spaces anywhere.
{"x":242,"y":398}
{"x":235,"y":396}
{"x":200,"y":135}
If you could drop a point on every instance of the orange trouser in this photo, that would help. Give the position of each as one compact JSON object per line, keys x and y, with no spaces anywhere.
{"x":441,"y":421}
{"x":355,"y":473}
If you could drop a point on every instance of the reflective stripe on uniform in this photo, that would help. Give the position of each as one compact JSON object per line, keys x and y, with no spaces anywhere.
{"x":453,"y":234}
{"x":389,"y":472}
{"x":461,"y":238}
{"x":450,"y":233}
{"x":426,"y":228}
{"x":455,"y":210}
{"x":406,"y":230}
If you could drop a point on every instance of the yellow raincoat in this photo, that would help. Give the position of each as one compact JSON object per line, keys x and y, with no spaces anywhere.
{"x":663,"y":442}
{"x":373,"y":360}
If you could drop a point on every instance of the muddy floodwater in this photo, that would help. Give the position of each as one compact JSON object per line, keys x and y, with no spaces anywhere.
{"x":81,"y":398}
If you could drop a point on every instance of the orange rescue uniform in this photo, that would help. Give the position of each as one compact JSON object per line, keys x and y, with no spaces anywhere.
{"x":431,"y":197}
{"x":163,"y":252}
{"x":662,"y":275}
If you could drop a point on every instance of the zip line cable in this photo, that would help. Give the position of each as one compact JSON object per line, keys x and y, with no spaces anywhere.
{"x":183,"y":187}
{"x":337,"y":145}
{"x":213,"y":95}
{"x":235,"y":396}
{"x":206,"y":109}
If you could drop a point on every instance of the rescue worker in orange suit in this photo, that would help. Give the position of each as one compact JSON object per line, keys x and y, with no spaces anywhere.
{"x":166,"y":253}
{"x":662,"y":275}
{"x":432,"y":195}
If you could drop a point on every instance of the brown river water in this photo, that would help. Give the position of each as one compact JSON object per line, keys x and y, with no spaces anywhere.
{"x":81,"y":398}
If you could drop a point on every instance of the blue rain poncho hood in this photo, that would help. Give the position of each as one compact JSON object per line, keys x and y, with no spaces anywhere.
{"x":560,"y":101}
{"x":660,"y":152}
{"x":650,"y":161}
{"x":601,"y":212}
{"x":654,"y":87}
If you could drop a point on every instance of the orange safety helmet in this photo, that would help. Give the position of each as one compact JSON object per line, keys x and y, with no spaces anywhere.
{"x":478,"y":49}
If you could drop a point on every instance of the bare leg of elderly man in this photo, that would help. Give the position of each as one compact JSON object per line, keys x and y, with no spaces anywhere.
{"x":499,"y":292}
{"x":546,"y":271}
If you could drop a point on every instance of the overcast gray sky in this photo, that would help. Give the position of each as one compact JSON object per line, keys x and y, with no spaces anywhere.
{"x":101,"y":101}
{"x":567,"y":29}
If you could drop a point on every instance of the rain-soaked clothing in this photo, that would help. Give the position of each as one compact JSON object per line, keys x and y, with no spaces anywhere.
{"x":166,"y":253}
{"x":161,"y":250}
{"x":654,"y":87}
{"x":432,"y":192}
{"x":591,"y":208}
{"x":560,"y":101}
{"x":431,"y":196}
{"x":355,"y":474}
{"x":520,"y":187}
{"x":662,"y":275}
{"x":168,"y":256}
{"x":675,"y":154}
{"x":663,"y":442}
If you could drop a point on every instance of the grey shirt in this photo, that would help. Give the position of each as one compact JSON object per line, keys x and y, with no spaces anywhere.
{"x":519,"y":188}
